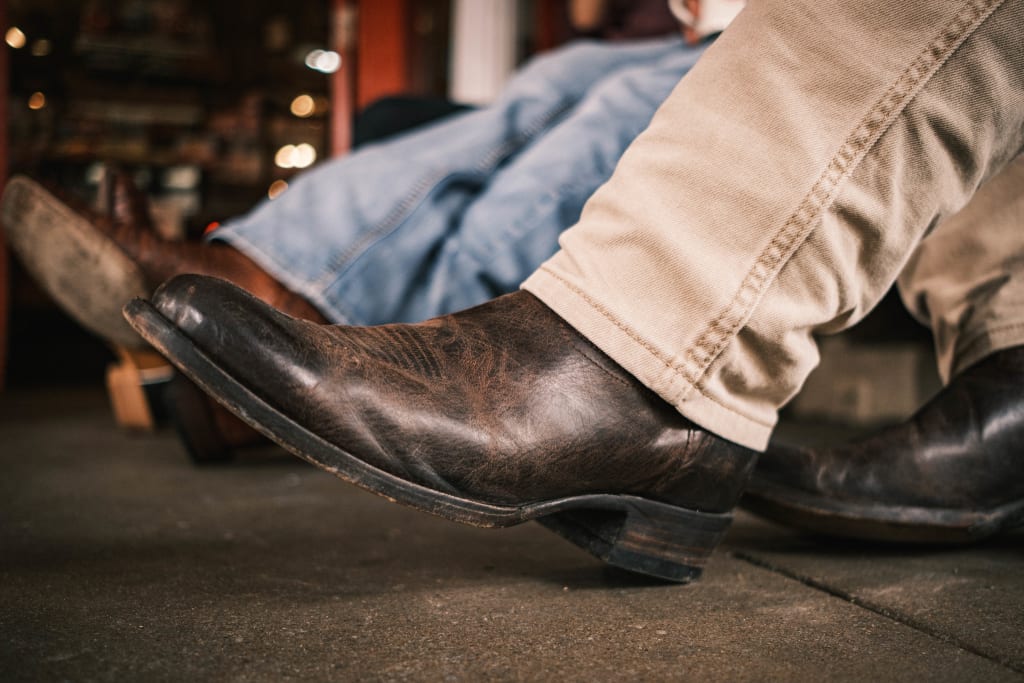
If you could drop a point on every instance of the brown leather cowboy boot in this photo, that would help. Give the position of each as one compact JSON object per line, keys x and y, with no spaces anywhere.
{"x":122,"y":213}
{"x":93,"y":263}
{"x":497,"y":415}
{"x":953,"y":472}
{"x":93,"y":260}
{"x":118,"y":199}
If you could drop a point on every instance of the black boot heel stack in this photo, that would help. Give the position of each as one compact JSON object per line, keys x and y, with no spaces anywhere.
{"x":645,"y":536}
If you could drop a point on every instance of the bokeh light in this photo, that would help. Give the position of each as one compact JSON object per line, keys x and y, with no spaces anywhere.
{"x":277,"y":188}
{"x":15,"y":37}
{"x":324,"y":61}
{"x":303,"y":106}
{"x":41,"y":47}
{"x":295,"y":156}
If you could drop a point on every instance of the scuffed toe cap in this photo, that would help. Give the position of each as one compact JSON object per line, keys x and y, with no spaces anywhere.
{"x":232,"y":327}
{"x":197,"y":302}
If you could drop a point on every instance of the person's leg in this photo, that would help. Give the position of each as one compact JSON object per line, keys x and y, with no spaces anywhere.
{"x":966,"y":279}
{"x":92,"y":265}
{"x":954,"y":470}
{"x":512,"y":225}
{"x":779,"y":192}
{"x":411,"y":191}
{"x":776,"y":194}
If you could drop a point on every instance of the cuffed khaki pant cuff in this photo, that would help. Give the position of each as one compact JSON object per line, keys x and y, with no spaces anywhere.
{"x":629,"y":351}
{"x":985,"y":343}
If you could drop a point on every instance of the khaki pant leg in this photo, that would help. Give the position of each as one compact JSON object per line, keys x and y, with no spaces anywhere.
{"x":966,"y":278}
{"x":780,"y":190}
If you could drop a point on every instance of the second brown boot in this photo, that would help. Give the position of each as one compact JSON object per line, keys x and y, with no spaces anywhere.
{"x":92,"y":261}
{"x":92,"y":264}
{"x":86,"y":273}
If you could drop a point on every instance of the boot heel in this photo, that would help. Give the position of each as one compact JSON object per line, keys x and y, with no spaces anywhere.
{"x":644,"y":536}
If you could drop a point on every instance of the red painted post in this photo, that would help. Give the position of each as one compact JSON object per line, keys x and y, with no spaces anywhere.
{"x":343,"y":20}
{"x":385,"y":32}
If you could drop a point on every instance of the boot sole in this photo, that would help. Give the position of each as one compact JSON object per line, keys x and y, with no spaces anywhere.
{"x":629,"y":532}
{"x":85,"y":273}
{"x":872,"y":522}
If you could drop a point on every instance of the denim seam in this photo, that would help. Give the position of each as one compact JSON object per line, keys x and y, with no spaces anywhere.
{"x":720,"y":331}
{"x":524,"y":229}
{"x":420,"y":192}
{"x":391,"y":221}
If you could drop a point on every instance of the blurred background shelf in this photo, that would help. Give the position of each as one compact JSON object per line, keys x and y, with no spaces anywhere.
{"x":196,"y":99}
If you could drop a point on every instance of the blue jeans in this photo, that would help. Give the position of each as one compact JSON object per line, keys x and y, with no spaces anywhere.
{"x":463,"y":210}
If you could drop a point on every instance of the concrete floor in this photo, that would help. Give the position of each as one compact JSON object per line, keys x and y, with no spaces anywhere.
{"x":120,"y":560}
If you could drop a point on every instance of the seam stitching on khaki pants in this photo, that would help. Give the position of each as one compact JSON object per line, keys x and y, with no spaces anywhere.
{"x":797,"y":228}
{"x":607,"y":315}
{"x":604,"y":313}
{"x":731,"y":409}
{"x":967,"y":349}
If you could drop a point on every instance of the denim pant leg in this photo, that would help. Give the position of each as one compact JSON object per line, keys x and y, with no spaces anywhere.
{"x":513,"y":225}
{"x":419,"y":182}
